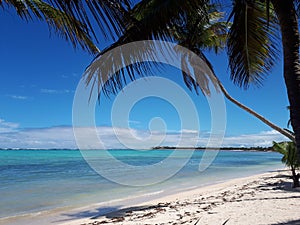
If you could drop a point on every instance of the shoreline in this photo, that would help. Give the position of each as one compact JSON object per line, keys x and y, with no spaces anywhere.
{"x":250,"y":149}
{"x":235,"y":199}
{"x":253,"y":149}
{"x":66,"y":199}
{"x":260,"y":199}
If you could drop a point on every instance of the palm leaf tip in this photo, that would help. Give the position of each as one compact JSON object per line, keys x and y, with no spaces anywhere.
{"x":111,"y":16}
{"x":60,"y":22}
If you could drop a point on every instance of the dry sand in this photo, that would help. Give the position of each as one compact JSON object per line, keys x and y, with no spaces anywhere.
{"x":261,"y":199}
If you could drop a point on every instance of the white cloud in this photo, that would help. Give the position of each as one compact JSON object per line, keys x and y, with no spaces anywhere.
{"x":70,"y":75}
{"x":11,"y":136}
{"x":135,"y":122}
{"x":263,"y":139}
{"x":7,"y":127}
{"x":55,"y":137}
{"x":189,"y":131}
{"x":54,"y":91}
{"x":19,"y":97}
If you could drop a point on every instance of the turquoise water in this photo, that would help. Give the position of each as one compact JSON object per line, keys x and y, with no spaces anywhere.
{"x":42,"y":180}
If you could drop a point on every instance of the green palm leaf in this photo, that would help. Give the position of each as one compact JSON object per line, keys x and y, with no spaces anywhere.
{"x":58,"y":21}
{"x":199,"y":34}
{"x":252,"y":42}
{"x":200,"y":29}
{"x":151,"y":20}
{"x":110,"y":15}
{"x":289,"y":152}
{"x":155,"y":16}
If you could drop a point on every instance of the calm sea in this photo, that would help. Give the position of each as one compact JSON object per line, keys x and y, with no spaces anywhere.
{"x":36,"y":181}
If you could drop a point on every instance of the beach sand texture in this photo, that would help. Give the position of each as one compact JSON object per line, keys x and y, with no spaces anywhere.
{"x":260,"y":200}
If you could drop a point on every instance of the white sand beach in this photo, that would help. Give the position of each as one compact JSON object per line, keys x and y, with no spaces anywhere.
{"x":264,"y":199}
{"x":261,"y":199}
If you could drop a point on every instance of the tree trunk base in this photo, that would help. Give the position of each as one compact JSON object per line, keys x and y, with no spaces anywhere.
{"x":296,"y":180}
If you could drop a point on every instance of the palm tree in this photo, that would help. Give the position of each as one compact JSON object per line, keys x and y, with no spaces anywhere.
{"x":289,"y":152}
{"x":252,"y":47}
{"x":154,"y":19}
{"x":197,"y":37}
{"x":201,"y":30}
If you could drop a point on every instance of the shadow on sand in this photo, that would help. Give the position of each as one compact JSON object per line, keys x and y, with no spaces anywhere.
{"x":118,"y":213}
{"x":291,"y":222}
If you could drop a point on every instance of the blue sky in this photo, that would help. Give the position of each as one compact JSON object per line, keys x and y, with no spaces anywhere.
{"x":39,"y":74}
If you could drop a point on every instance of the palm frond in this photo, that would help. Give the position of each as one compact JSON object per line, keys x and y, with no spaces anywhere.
{"x":198,"y":34}
{"x":110,"y":72}
{"x":216,"y":37}
{"x":151,"y":20}
{"x":58,"y":21}
{"x":289,"y":152}
{"x":116,"y":66}
{"x":155,"y":16}
{"x":252,"y":43}
{"x":281,"y":148}
{"x":203,"y":74}
{"x":110,"y":15}
{"x":297,"y":7}
{"x":195,"y":33}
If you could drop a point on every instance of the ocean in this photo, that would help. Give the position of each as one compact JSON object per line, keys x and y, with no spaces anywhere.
{"x":37,"y":181}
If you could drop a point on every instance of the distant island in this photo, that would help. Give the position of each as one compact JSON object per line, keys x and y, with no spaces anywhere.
{"x":261,"y":149}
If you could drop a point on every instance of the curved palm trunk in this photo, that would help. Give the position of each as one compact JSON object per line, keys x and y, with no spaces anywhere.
{"x":247,"y":109}
{"x":286,"y":15}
